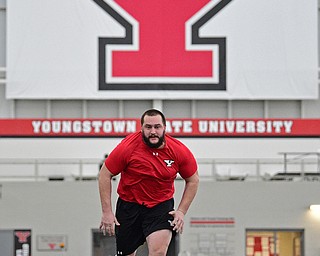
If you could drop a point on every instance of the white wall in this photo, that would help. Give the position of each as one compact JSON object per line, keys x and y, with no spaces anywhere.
{"x":73,"y":209}
{"x":257,"y":205}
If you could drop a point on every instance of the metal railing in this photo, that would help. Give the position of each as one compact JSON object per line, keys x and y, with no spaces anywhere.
{"x":17,"y":169}
{"x":2,"y":75}
{"x":49,"y":169}
{"x":291,"y":157}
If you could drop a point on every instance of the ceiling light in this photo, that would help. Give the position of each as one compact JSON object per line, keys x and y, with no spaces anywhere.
{"x":315,"y":208}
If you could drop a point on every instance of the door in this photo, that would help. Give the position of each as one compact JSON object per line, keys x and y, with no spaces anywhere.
{"x":6,"y":243}
{"x":277,"y":242}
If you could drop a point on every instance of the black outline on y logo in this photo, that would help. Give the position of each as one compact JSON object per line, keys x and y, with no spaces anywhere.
{"x":195,"y":40}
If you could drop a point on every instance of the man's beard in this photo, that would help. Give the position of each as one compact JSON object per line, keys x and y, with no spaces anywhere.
{"x":153,"y":145}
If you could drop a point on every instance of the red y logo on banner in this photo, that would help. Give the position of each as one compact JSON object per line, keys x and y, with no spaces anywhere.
{"x":162,"y":48}
{"x":22,"y":236}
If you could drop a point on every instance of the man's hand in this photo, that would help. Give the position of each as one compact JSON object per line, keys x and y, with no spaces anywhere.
{"x":108,"y":222}
{"x":178,"y":221}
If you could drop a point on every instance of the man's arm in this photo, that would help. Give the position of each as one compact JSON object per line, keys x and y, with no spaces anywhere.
{"x":105,"y":188}
{"x":190,"y":191}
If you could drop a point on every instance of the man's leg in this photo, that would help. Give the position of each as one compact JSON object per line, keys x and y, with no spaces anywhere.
{"x":129,"y":234}
{"x":158,"y":242}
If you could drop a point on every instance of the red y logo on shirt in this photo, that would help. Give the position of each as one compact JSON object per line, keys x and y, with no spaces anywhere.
{"x":162,"y":48}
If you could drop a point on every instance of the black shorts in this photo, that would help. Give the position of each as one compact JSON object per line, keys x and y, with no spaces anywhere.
{"x":138,"y":221}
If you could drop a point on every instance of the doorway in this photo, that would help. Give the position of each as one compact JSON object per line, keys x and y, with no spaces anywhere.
{"x":274,"y":242}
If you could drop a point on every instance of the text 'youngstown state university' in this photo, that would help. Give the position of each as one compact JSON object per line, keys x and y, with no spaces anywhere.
{"x":189,"y":127}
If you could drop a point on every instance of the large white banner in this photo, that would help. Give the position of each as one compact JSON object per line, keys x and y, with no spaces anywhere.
{"x":151,"y":49}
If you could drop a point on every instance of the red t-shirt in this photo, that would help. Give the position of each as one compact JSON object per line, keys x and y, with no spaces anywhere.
{"x":148,"y":174}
